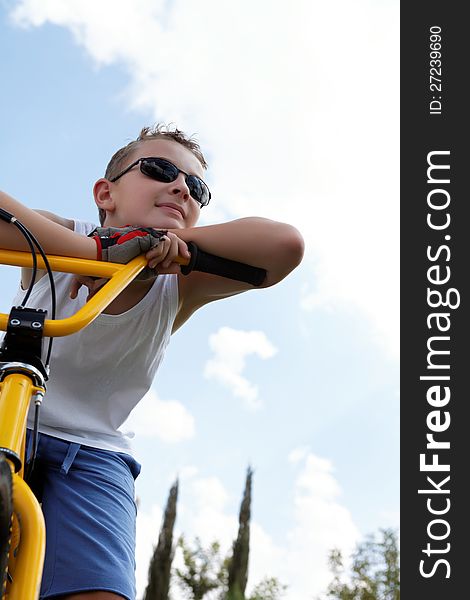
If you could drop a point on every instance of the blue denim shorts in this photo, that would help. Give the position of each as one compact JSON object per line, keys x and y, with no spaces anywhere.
{"x":88,"y":501}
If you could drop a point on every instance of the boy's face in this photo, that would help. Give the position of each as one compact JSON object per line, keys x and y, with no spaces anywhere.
{"x":138,"y":200}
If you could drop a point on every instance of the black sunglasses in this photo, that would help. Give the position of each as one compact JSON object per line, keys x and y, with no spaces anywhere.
{"x":163,"y":170}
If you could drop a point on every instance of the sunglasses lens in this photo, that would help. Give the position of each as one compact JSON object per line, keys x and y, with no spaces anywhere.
{"x":198,"y":190}
{"x":160,"y":170}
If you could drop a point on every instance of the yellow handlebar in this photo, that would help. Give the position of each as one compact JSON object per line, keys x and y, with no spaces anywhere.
{"x":119,"y":277}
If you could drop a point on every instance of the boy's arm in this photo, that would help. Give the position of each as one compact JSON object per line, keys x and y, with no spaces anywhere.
{"x":26,"y":274}
{"x":53,"y":235}
{"x":276,"y":247}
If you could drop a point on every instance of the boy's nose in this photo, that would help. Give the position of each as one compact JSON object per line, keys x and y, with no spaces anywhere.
{"x":180,"y":187}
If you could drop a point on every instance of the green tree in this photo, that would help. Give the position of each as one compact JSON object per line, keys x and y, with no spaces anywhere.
{"x":374,"y":573}
{"x":268,"y":588}
{"x":160,"y":564}
{"x":238,"y":564}
{"x":204,"y":569}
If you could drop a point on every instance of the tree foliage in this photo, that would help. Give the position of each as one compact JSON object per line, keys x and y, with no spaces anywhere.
{"x":269,"y":588}
{"x":203,"y":570}
{"x":158,"y":585}
{"x":374,"y":573}
{"x":206,"y":573}
{"x":238,"y":563}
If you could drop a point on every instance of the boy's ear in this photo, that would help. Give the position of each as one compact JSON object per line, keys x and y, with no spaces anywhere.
{"x":103,"y":196}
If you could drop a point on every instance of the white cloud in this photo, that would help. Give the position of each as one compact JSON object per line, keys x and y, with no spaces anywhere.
{"x":207,"y":516}
{"x":321,"y":523}
{"x":297,"y":111}
{"x":168,"y":420}
{"x":266,"y":557}
{"x":186,"y":472}
{"x":390,"y":518}
{"x":298,"y":454}
{"x":231,"y":348}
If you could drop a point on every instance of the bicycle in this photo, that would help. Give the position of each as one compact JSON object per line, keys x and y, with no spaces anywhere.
{"x":22,"y":378}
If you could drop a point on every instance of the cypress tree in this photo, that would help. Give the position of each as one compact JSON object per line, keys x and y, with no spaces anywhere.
{"x":238,"y":566}
{"x":158,"y":585}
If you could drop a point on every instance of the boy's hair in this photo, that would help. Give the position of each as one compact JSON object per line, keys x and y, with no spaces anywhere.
{"x":158,"y":131}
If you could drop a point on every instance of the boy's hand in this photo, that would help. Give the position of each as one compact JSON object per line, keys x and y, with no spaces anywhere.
{"x":162,"y":258}
{"x":92,"y":283}
{"x":122,"y":244}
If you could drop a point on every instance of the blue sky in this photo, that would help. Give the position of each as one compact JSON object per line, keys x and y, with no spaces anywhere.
{"x":297,"y":115}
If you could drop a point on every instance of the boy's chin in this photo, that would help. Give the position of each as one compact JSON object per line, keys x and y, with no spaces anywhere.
{"x":167,"y":224}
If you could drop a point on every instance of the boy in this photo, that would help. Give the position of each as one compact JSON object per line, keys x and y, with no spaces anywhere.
{"x":86,"y":470}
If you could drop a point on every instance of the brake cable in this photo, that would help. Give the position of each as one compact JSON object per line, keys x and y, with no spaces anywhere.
{"x":32,"y":241}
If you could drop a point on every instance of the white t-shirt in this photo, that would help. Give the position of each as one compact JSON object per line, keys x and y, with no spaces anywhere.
{"x":99,"y":374}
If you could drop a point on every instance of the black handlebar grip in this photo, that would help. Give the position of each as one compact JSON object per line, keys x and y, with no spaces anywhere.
{"x":210,"y":263}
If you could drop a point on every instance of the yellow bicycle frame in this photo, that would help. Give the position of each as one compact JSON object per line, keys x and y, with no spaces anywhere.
{"x":16,"y":391}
